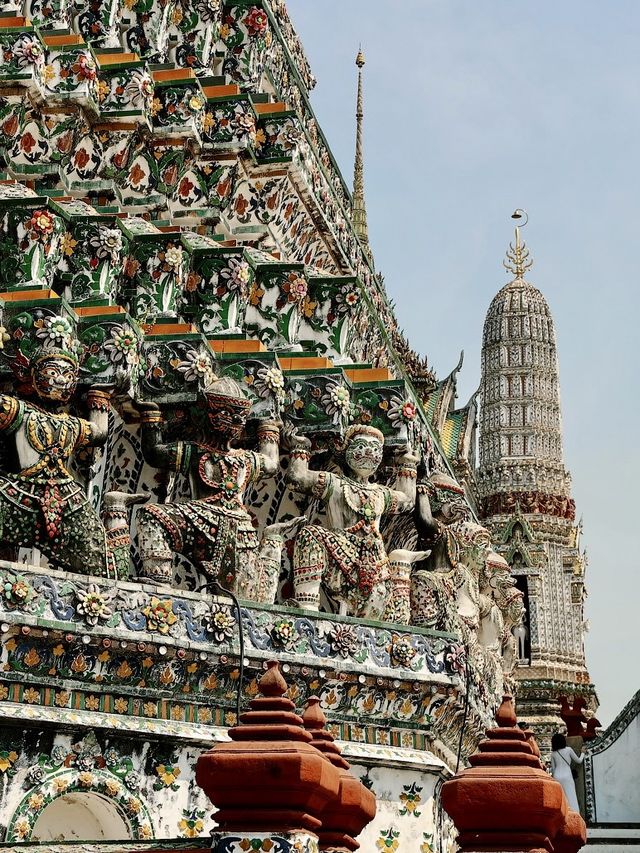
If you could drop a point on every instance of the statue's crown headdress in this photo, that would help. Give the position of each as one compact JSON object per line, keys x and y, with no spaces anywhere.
{"x":226,"y":391}
{"x":362,"y":429}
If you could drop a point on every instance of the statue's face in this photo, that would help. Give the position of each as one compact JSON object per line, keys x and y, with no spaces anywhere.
{"x":363,"y":454}
{"x":227,"y":418}
{"x":453,"y":509}
{"x":54,"y":379}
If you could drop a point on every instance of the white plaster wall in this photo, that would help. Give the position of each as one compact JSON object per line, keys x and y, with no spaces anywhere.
{"x":416,"y":824}
{"x":616,"y":778}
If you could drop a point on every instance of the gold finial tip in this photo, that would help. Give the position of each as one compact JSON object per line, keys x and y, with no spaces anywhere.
{"x":360,"y":58}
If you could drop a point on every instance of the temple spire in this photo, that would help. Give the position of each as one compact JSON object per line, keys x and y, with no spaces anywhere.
{"x":518,"y":259}
{"x":358,"y":210}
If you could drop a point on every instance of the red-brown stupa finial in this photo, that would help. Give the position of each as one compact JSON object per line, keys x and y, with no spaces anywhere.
{"x":269,"y":778}
{"x":355,"y":806}
{"x":505,"y":800}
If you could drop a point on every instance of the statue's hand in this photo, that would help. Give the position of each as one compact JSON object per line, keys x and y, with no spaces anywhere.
{"x":292,"y":439}
{"x":406,"y":456}
{"x":105,"y":391}
{"x":144,"y":406}
{"x":269,"y":423}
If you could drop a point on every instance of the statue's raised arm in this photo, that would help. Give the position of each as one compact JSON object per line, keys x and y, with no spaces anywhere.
{"x":347,"y":558}
{"x":41,"y":504}
{"x":213,"y":529}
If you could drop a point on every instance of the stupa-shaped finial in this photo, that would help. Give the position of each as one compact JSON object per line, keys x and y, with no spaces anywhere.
{"x":518,"y":258}
{"x":358,"y":210}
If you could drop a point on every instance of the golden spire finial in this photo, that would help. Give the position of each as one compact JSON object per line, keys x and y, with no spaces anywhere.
{"x":518,"y":259}
{"x":358,"y":210}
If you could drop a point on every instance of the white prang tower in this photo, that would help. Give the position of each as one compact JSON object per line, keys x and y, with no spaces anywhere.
{"x":525,"y":496}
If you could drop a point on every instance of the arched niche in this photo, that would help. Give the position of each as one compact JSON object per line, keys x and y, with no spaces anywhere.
{"x":81,"y":816}
{"x":69,"y":803}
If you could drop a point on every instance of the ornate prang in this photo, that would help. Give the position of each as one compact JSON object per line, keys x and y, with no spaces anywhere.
{"x":524,"y":491}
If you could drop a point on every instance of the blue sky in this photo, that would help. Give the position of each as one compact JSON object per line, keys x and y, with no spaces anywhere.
{"x":472,"y":110}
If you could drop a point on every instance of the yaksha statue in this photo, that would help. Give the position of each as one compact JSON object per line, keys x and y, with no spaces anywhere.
{"x":214,"y":530}
{"x":348,"y":558}
{"x":41,"y":504}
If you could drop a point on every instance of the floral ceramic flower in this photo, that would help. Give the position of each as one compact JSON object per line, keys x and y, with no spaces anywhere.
{"x":36,"y":774}
{"x":288,"y":137}
{"x":68,"y":244}
{"x":204,"y":715}
{"x":41,"y":224}
{"x":122,"y":345}
{"x":295,"y":287}
{"x":7,"y":760}
{"x":256,"y":21}
{"x":102,"y":90}
{"x":149,"y":709}
{"x":139,"y":89}
{"x":60,"y":785}
{"x":243,"y":123}
{"x":167,"y":774}
{"x":220,"y":622}
{"x":112,"y":787}
{"x":4,"y":337}
{"x":132,"y":780}
{"x":27,"y":51}
{"x":270,"y":380}
{"x":256,"y":294}
{"x":84,"y":68}
{"x":133,"y":805}
{"x":237,"y":275}
{"x":55,"y":330}
{"x":336,"y":399}
{"x":402,"y":413}
{"x":196,"y":103}
{"x":85,"y":779}
{"x":17,"y":591}
{"x":344,"y":640}
{"x":22,"y":828}
{"x":35,"y":802}
{"x":456,"y":657}
{"x":92,"y":703}
{"x":388,"y":841}
{"x":94,"y":604}
{"x":283,"y":632}
{"x":62,"y":699}
{"x":190,"y":827}
{"x":196,"y":366}
{"x":402,"y":652}
{"x":58,"y":753}
{"x":208,"y":122}
{"x":160,"y":615}
{"x":106,"y":243}
{"x":173,"y":257}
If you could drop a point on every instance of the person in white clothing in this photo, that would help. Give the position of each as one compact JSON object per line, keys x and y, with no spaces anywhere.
{"x":561,"y":758}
